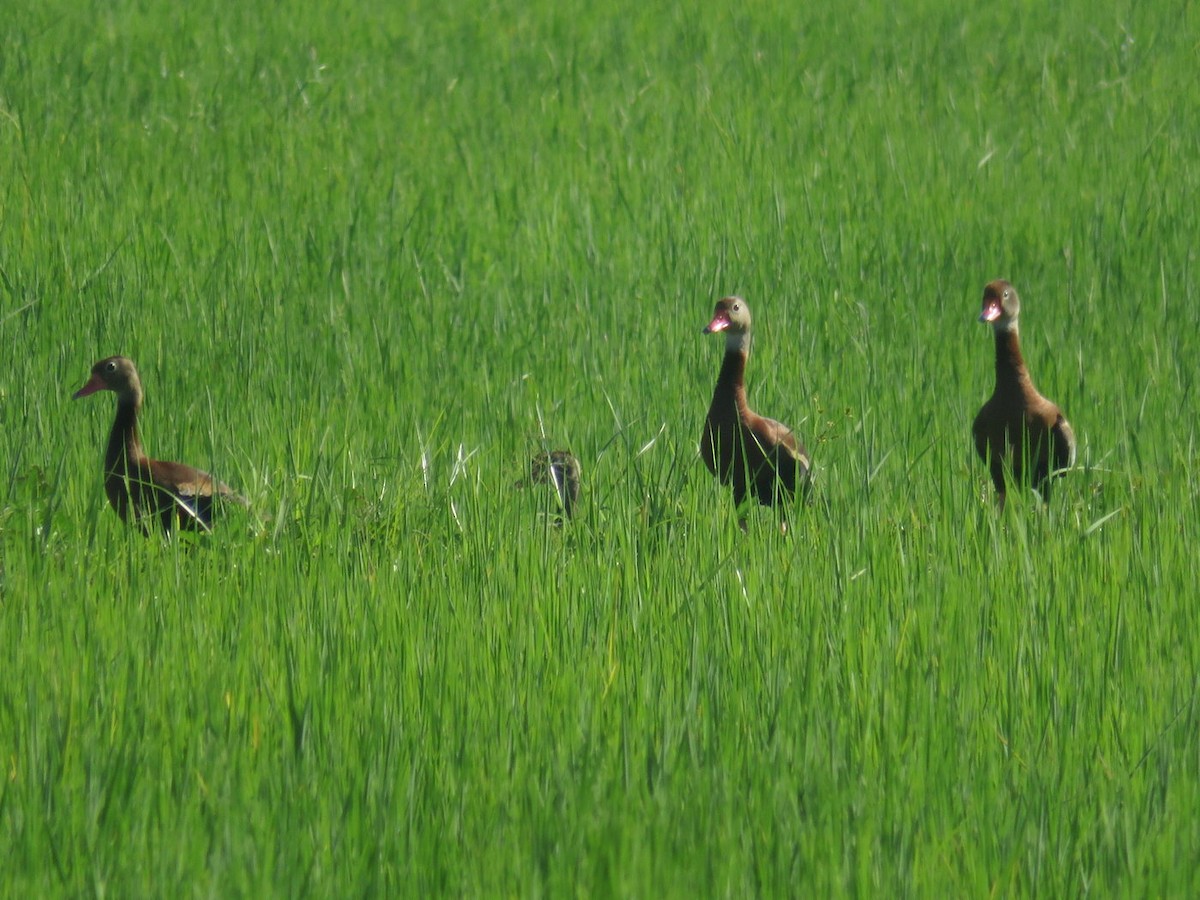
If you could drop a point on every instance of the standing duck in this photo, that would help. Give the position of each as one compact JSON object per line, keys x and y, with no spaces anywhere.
{"x":1018,"y":429}
{"x":759,"y":455}
{"x":168,"y":491}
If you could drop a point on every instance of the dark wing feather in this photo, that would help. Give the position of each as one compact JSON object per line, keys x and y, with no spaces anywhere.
{"x":1064,"y":444}
{"x":191,"y":493}
{"x":781,"y":460}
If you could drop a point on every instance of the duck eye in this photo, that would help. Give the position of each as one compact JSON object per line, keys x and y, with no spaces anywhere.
{"x":1006,"y":295}
{"x":111,"y":367}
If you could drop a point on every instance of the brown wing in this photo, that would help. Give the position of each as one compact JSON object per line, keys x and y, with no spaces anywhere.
{"x":782,"y":437}
{"x":777,"y":458}
{"x":1064,"y":444}
{"x":191,"y":494}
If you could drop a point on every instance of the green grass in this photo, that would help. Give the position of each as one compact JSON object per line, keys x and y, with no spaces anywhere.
{"x":369,"y":260}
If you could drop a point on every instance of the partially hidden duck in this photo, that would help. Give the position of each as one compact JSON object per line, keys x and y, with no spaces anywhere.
{"x":560,"y":469}
{"x":760,"y":457}
{"x":1019,"y":434}
{"x":149,"y":491}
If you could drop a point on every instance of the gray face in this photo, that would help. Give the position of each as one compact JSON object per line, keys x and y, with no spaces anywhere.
{"x":1001,"y":306}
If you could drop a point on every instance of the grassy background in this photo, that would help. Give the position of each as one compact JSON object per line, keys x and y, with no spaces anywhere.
{"x":368,"y":260}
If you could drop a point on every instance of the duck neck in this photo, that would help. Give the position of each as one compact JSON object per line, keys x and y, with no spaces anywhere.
{"x":730,"y":391}
{"x":124,"y":446}
{"x":1011,"y":373}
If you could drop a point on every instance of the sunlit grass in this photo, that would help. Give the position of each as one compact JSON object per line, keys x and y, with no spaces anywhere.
{"x":370,"y":261}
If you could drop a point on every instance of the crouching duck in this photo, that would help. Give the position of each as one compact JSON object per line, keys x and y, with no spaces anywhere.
{"x":560,"y":469}
{"x":143,"y":488}
{"x":761,"y":457}
{"x":1019,"y":434}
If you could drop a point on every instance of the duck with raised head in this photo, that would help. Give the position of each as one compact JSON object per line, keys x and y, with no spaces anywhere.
{"x":1019,"y":434}
{"x":144,"y":488}
{"x":760,"y":457}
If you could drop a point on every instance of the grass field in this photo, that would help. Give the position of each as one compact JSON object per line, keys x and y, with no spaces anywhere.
{"x":370,"y":259}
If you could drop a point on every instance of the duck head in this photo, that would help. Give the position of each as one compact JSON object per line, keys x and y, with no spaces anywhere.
{"x":1001,"y":306}
{"x":116,"y":374}
{"x":732,"y":316}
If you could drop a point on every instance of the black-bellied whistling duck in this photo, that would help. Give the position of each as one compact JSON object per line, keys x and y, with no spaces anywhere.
{"x":759,"y":455}
{"x":1018,"y":429}
{"x":168,"y":491}
{"x":560,"y":469}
